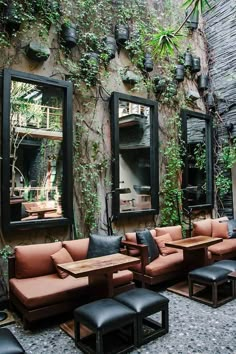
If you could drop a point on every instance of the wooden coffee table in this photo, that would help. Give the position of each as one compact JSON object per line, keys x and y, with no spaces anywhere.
{"x":195,"y":254}
{"x":100,"y":271}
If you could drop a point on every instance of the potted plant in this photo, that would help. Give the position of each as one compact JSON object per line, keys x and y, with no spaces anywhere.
{"x":148,"y":62}
{"x":121,"y":33}
{"x":110,"y":46}
{"x":159,"y":84}
{"x":130,"y":78}
{"x":196,"y":67}
{"x":37,"y":51}
{"x":5,"y":252}
{"x":188,"y":60}
{"x":179,"y":72}
{"x":69,"y":34}
{"x":203,"y":82}
{"x":12,"y":17}
{"x":90,"y":67}
{"x":192,"y":21}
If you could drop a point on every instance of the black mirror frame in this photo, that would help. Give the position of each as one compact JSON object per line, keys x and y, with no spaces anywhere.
{"x":67,"y":200}
{"x":154,"y":143}
{"x":185,"y":115}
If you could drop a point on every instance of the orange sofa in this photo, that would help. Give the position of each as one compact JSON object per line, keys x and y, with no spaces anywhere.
{"x":37,"y":291}
{"x":164,"y":267}
{"x":216,"y":228}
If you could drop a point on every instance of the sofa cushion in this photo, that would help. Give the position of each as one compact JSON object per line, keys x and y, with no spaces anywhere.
{"x":48,"y":290}
{"x":219,"y":229}
{"x":203,"y":227}
{"x":174,"y":231}
{"x":224,"y":247}
{"x":165,"y":264}
{"x":60,"y":257}
{"x":231,"y":227}
{"x":164,"y":250}
{"x":78,"y":249}
{"x":103,"y":245}
{"x":35,"y":260}
{"x":145,"y":238}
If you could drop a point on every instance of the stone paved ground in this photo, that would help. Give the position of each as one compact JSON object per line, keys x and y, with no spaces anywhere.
{"x":194,"y":329}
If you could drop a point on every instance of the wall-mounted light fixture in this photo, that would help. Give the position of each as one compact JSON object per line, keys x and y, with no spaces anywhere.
{"x":108,"y":217}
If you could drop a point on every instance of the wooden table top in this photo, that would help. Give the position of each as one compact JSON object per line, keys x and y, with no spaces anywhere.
{"x":193,"y":243}
{"x":105,"y":264}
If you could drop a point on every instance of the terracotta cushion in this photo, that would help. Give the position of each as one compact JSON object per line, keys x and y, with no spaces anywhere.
{"x":224,"y":247}
{"x":163,"y":264}
{"x":164,"y":250}
{"x":203,"y":227}
{"x":48,"y":290}
{"x":78,"y":249}
{"x":219,"y":229}
{"x":35,"y":260}
{"x":174,"y":231}
{"x":61,"y":256}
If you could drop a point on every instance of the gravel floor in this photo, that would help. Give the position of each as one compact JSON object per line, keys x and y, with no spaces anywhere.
{"x":194,"y":328}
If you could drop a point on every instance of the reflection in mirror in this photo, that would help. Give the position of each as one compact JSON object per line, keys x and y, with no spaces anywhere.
{"x":37,"y":154}
{"x":135,"y":158}
{"x":197,"y":177}
{"x":35,"y":151}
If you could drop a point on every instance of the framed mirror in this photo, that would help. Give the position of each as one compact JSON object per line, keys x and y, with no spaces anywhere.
{"x":36,"y":151}
{"x":197,"y":181}
{"x":135,"y":183}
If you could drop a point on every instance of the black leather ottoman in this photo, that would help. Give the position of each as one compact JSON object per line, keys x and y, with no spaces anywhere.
{"x":8,"y":343}
{"x":227,"y":264}
{"x":211,"y":276}
{"x":106,"y":316}
{"x":145,"y":303}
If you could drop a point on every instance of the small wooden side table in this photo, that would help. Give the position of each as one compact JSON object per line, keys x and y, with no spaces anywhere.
{"x":232,"y":277}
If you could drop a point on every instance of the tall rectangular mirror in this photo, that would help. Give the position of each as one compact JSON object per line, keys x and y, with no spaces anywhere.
{"x":36,"y":151}
{"x":134,"y":123}
{"x":197,"y":174}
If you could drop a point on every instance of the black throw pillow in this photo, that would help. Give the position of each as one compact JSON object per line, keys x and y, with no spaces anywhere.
{"x":231,"y":227}
{"x":145,"y":238}
{"x":103,"y":245}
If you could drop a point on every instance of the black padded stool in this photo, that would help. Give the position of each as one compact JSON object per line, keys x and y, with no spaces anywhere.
{"x":145,"y":303}
{"x":211,"y":276}
{"x":105,"y":316}
{"x":8,"y":343}
{"x":227,"y":264}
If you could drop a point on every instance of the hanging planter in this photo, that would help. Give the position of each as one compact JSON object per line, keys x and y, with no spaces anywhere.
{"x":203,"y":82}
{"x":196,"y":64}
{"x":121,"y":33}
{"x":130,"y":78}
{"x":69,"y":35}
{"x":12,"y":18}
{"x":159,"y":84}
{"x":90,"y":67}
{"x":110,"y":47}
{"x":188,"y":60}
{"x":192,"y":22}
{"x":37,"y":51}
{"x":148,"y":62}
{"x":210,"y":101}
{"x":179,"y":72}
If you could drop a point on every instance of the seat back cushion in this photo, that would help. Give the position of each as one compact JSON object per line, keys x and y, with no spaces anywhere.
{"x":219,"y":229}
{"x":145,"y":238}
{"x":78,"y":249}
{"x":231,"y":227}
{"x":174,"y":231}
{"x":35,"y":260}
{"x":203,"y":227}
{"x":164,"y":250}
{"x":60,"y":257}
{"x":103,"y":245}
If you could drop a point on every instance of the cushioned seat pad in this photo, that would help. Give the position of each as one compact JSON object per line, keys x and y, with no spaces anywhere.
{"x":209,"y":273}
{"x":228,"y":264}
{"x":8,"y":343}
{"x":165,"y":264}
{"x":50,"y":289}
{"x":142,"y":300}
{"x":104,"y":314}
{"x":221,"y":248}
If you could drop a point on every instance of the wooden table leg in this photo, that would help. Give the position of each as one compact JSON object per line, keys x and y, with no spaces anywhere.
{"x":101,"y":285}
{"x":195,"y":258}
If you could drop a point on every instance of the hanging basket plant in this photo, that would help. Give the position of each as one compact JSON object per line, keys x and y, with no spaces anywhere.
{"x":121,"y":33}
{"x":196,"y":67}
{"x":188,"y":60}
{"x":203,"y":82}
{"x":148,"y":62}
{"x":37,"y":51}
{"x":130,"y":78}
{"x":192,"y":22}
{"x":110,"y":47}
{"x":12,"y":17}
{"x":69,"y":35}
{"x":90,"y":68}
{"x":179,"y":72}
{"x":160,"y":84}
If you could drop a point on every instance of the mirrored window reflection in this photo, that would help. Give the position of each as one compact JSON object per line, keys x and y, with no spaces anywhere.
{"x":134,"y":156}
{"x":196,"y":162}
{"x":36,"y":126}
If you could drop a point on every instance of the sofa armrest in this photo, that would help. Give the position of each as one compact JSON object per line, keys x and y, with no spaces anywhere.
{"x":11,"y":267}
{"x":143,"y":249}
